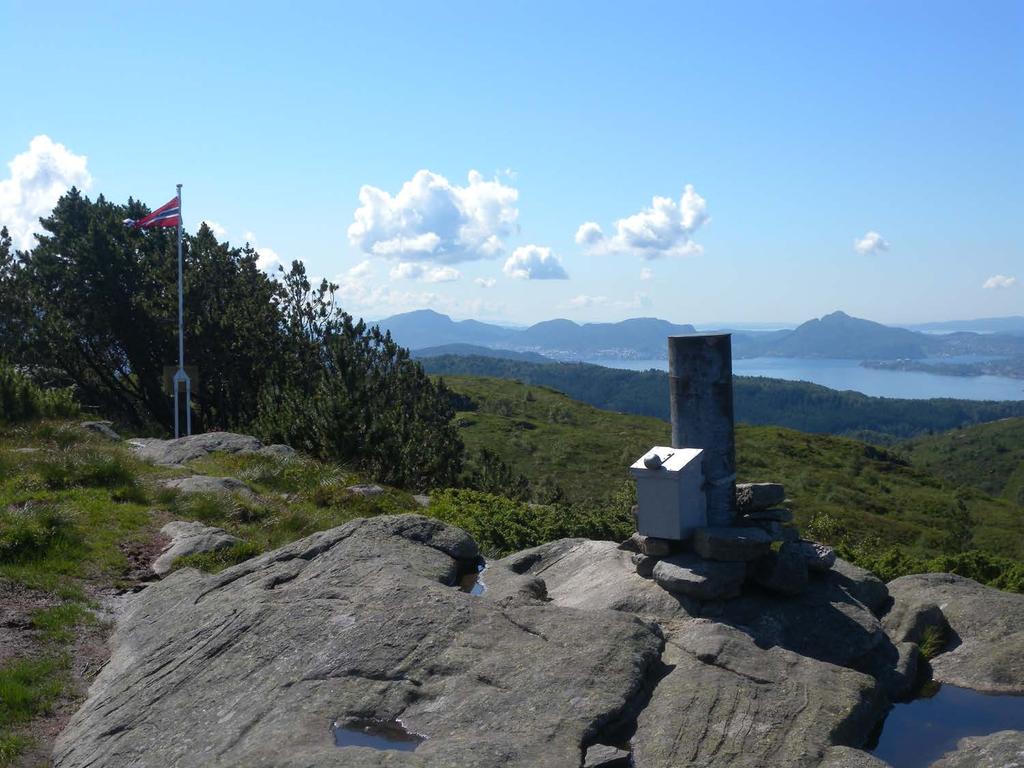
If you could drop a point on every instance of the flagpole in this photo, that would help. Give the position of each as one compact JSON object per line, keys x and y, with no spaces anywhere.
{"x":181,"y":375}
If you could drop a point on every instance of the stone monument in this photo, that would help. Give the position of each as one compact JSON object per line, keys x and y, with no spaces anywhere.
{"x":700,"y":398}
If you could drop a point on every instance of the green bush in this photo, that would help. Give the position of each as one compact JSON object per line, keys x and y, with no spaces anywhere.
{"x":22,"y":400}
{"x":891,"y":562}
{"x":501,"y":526}
{"x":350,"y":394}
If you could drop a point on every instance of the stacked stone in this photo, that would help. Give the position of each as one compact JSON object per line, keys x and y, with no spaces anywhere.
{"x":762,"y":547}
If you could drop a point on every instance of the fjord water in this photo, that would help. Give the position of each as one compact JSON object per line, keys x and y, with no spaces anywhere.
{"x":849,"y":374}
{"x":918,"y":733}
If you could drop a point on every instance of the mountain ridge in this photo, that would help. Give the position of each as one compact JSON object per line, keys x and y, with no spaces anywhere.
{"x":835,"y":335}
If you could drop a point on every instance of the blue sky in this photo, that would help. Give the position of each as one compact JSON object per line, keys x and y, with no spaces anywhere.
{"x":801,"y":128}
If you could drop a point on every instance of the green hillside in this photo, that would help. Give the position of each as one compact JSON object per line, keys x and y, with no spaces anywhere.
{"x":794,"y":404}
{"x":844,"y":488}
{"x":985,"y":456}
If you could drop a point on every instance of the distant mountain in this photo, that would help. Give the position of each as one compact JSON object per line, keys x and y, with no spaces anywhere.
{"x":1010,"y":325}
{"x":839,"y":335}
{"x":426,"y":328}
{"x":468,"y":350}
{"x":562,"y":339}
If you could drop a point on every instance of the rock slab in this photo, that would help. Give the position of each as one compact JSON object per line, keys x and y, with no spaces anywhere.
{"x":190,"y":538}
{"x":249,"y":667}
{"x":208,"y":484}
{"x":731,"y":544}
{"x":1003,"y":749}
{"x":183,"y":449}
{"x":752,"y":497}
{"x":687,"y":574}
{"x":727,"y":702}
{"x":985,"y":648}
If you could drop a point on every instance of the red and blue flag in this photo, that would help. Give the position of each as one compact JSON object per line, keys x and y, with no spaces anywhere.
{"x":167,"y":215}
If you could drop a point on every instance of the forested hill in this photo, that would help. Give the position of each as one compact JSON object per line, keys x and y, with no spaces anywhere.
{"x":798,"y":405}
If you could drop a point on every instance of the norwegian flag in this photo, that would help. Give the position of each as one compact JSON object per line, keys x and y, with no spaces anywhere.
{"x":167,"y":215}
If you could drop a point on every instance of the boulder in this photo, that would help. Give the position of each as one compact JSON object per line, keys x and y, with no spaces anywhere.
{"x":650,"y":545}
{"x":278,"y":451}
{"x":1003,"y":749}
{"x":207,"y":484}
{"x":827,"y":622}
{"x":365,"y":489}
{"x":421,"y":499}
{"x":784,"y":571}
{"x":848,"y":757}
{"x":779,"y":515}
{"x":183,"y":449}
{"x":592,"y":575}
{"x":731,"y":544}
{"x":190,"y":538}
{"x":358,"y":623}
{"x":908,"y":621}
{"x":603,"y":756}
{"x":896,"y":667}
{"x":819,"y":557}
{"x":644,"y":564}
{"x":985,"y":643}
{"x":751,"y":497}
{"x":104,"y":429}
{"x":727,"y":702}
{"x":689,"y":575}
{"x":863,"y":585}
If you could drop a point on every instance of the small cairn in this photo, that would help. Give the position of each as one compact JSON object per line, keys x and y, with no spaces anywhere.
{"x":762,"y":547}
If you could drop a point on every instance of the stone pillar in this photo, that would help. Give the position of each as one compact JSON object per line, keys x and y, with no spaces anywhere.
{"x":700,"y":392}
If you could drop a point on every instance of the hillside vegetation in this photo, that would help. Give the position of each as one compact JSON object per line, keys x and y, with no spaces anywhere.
{"x":843,"y":489}
{"x":985,"y":456}
{"x":795,"y":404}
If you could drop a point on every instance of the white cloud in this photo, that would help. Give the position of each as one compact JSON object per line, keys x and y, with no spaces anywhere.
{"x":1000,"y":281}
{"x":871,"y":244}
{"x":646,"y":274}
{"x":664,"y":229}
{"x":411,"y":270}
{"x":359,"y":296}
{"x":486,"y":282}
{"x":435,"y":220}
{"x":589,"y":234}
{"x":534,"y":262}
{"x":582,"y":301}
{"x":266,"y":258}
{"x":38,"y":178}
{"x":361,"y":270}
{"x":218,"y":231}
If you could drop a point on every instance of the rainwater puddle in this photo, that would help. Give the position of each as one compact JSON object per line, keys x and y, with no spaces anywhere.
{"x":375,"y":734}
{"x":918,"y":733}
{"x":472,"y":583}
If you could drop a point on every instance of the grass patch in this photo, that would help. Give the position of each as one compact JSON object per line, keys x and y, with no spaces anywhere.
{"x":12,"y":745}
{"x":214,"y":562}
{"x":28,"y":688}
{"x":57,"y":624}
{"x":34,"y":530}
{"x":933,"y":640}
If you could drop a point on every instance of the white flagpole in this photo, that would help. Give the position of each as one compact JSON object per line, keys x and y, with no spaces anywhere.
{"x":181,"y":375}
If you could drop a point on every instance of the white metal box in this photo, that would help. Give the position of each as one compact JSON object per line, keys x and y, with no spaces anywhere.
{"x":670,"y":498}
